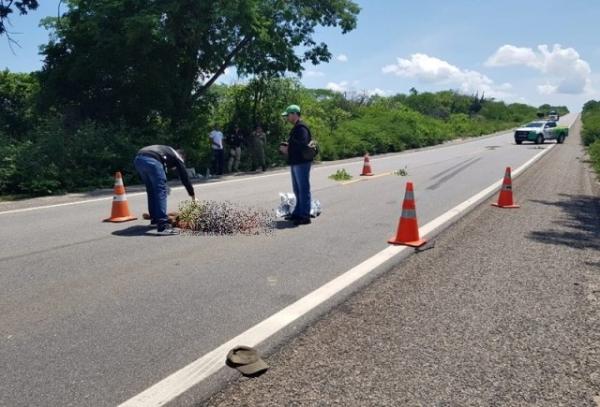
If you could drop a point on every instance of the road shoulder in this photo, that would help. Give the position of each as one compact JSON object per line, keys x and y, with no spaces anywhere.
{"x":503,"y":311}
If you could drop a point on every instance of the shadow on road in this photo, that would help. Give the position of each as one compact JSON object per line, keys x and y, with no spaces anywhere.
{"x":138,"y":230}
{"x":579,"y":227}
{"x":283,"y":224}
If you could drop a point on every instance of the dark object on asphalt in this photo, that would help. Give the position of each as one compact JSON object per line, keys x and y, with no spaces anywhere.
{"x":246,"y":360}
{"x":302,"y":221}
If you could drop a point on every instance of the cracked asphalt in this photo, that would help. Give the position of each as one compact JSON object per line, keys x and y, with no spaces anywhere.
{"x":502,"y":312}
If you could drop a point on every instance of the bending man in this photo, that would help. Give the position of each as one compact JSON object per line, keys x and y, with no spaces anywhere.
{"x":152,"y":163}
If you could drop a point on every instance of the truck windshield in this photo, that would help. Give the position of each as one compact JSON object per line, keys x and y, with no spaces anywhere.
{"x":535,"y":124}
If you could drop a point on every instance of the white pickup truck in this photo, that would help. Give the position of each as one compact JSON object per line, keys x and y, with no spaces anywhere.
{"x":540,"y":131}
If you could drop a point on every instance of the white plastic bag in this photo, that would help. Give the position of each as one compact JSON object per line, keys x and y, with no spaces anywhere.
{"x":288,"y":203}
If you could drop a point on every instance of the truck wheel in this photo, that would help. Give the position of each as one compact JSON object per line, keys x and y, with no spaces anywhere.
{"x":561,"y":139}
{"x":539,"y":139}
{"x":519,"y":142}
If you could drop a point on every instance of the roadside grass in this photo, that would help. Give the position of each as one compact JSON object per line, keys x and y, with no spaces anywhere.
{"x":590,"y":118}
{"x":14,"y":197}
{"x":341,"y":175}
{"x":402,"y":172}
{"x":594,"y":152}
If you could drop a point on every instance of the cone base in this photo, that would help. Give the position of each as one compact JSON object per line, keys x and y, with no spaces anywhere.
{"x":506,"y":206}
{"x":121,"y":219}
{"x":416,"y":243}
{"x":370,"y":174}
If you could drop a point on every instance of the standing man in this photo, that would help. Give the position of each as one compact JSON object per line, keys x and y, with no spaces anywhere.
{"x":258,"y":142}
{"x":235,"y":141}
{"x":216,"y":140}
{"x":151,"y":164}
{"x":297,"y":144}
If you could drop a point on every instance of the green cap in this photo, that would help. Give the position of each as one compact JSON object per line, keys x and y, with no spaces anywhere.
{"x":291,"y":109}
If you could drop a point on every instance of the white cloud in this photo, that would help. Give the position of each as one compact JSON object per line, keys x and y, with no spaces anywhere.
{"x":510,"y":55}
{"x":376,"y":91}
{"x":342,"y":58}
{"x":547,"y":89}
{"x":437,"y":71}
{"x":564,"y":70}
{"x":340,"y":87}
{"x":313,"y":74}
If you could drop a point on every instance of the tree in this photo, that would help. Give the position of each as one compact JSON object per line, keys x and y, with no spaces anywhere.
{"x":133,"y":59}
{"x":7,"y":7}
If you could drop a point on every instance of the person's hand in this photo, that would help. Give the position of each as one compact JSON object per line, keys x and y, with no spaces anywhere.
{"x":193,"y":198}
{"x":283,"y":148}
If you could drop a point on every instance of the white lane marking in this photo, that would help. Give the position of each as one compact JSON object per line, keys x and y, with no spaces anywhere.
{"x":249,"y":178}
{"x":177,"y":383}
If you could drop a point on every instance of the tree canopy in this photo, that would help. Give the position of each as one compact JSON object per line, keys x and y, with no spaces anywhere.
{"x":8,"y":7}
{"x":132,"y":60}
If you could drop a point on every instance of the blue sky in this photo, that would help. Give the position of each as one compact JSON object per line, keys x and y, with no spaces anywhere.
{"x":531,"y":51}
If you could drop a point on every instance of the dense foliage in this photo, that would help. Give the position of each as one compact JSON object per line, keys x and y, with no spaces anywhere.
{"x":591,"y":131}
{"x":45,"y":151}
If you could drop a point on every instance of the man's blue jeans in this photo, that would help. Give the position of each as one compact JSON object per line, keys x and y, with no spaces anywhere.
{"x":153,"y":174}
{"x":301,"y":186}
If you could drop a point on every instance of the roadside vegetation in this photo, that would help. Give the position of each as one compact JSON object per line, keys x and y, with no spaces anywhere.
{"x":590,"y":118}
{"x":50,"y":151}
{"x":341,"y":175}
{"x":152,"y":76}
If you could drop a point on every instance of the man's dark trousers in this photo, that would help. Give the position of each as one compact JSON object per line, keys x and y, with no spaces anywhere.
{"x":153,"y":175}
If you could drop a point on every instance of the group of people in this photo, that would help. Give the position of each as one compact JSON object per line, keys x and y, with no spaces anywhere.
{"x":233,"y":143}
{"x":153,"y":162}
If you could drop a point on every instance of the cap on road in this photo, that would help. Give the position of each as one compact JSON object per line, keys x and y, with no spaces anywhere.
{"x":246,"y":360}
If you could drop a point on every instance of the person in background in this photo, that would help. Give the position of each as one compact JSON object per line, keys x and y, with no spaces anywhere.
{"x":152,"y":163}
{"x":258,"y":144}
{"x":235,"y":141}
{"x":298,"y":141}
{"x":216,"y":139}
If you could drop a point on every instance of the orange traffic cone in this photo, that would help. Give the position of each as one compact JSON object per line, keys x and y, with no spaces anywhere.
{"x":505,"y":200}
{"x":366,"y":172}
{"x":120,"y":207}
{"x":408,"y":227}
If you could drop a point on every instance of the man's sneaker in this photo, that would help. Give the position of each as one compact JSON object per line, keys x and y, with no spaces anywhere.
{"x":302,"y":221}
{"x":166,"y":230}
{"x":291,"y":217}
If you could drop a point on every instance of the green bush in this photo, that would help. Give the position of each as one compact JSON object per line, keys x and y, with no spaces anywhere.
{"x":590,"y":118}
{"x":594,"y":151}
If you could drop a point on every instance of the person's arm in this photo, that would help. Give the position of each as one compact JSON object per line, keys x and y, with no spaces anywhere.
{"x":183,"y":177}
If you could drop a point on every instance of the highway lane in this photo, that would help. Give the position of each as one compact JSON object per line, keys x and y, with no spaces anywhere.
{"x":94,"y":313}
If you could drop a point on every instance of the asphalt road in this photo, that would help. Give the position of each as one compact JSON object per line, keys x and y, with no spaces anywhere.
{"x":502,"y":312}
{"x":93,"y":313}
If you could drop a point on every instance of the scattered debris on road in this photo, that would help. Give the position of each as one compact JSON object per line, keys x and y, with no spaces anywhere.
{"x":223,"y":218}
